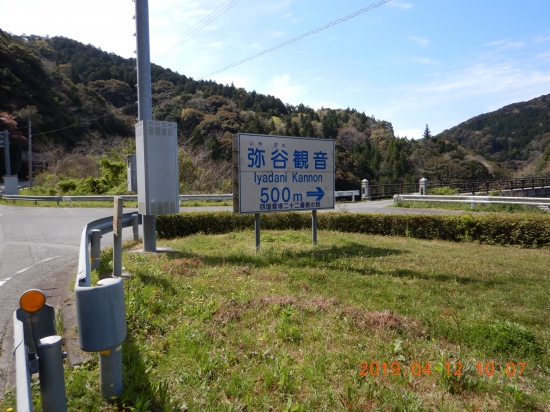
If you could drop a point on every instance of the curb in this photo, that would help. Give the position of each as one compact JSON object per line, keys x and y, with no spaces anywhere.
{"x":57,"y":286}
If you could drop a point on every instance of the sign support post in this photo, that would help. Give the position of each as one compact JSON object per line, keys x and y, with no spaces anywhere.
{"x":314,"y":227}
{"x":257,"y":231}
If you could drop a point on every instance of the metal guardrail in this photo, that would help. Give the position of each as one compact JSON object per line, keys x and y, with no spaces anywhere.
{"x":535,"y":201}
{"x":23,"y":372}
{"x":133,"y":198}
{"x":100,"y":314}
{"x":99,"y":198}
{"x":347,"y":193}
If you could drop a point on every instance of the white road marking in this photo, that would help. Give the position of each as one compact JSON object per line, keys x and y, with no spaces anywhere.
{"x":4,"y":281}
{"x":30,"y":267}
{"x":36,"y":264}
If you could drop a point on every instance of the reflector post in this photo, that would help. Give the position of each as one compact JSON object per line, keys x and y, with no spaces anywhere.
{"x":32,"y":300}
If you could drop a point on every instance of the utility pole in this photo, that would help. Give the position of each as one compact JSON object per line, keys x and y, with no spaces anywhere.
{"x":30,"y":154}
{"x":145,"y":110}
{"x":7,"y":153}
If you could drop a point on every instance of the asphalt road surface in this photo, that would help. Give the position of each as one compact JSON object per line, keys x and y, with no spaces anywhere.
{"x":36,"y":240}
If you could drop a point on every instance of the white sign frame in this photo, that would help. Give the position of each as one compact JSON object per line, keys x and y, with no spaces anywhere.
{"x":305,"y":183}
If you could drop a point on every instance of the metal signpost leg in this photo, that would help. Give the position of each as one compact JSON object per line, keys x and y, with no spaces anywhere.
{"x":314,"y":226}
{"x":257,"y":230}
{"x":149,"y":233}
{"x":135,"y":225}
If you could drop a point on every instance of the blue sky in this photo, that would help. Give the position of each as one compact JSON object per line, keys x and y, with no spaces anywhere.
{"x":410,"y":62}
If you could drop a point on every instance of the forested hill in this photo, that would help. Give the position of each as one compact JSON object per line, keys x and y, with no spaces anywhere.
{"x":78,"y":93}
{"x":511,"y":135}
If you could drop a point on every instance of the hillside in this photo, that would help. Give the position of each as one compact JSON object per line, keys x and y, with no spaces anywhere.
{"x":515,"y":135}
{"x":78,"y":96}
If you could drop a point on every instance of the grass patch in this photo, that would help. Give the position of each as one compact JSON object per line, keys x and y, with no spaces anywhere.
{"x":497,"y":208}
{"x":217,"y":327}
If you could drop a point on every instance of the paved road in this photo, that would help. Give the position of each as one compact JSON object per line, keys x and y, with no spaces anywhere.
{"x":33,"y":242}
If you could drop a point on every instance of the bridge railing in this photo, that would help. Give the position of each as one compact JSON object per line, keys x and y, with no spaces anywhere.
{"x":389,"y":190}
{"x":503,"y":186}
{"x":487,"y":186}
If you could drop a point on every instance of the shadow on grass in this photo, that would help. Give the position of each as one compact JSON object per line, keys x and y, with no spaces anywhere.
{"x":136,"y":382}
{"x":324,"y":257}
{"x":438,"y":276}
{"x":319,"y":255}
{"x":165,"y":284}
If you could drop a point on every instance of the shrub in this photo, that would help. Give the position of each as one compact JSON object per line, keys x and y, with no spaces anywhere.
{"x":443,"y":191}
{"x":521,"y":230}
{"x":67,"y":185}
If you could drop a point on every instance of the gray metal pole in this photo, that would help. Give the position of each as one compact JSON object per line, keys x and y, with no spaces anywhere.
{"x":110,"y":372}
{"x":7,"y":152}
{"x":30,"y":154}
{"x":117,"y":255}
{"x":145,"y":105}
{"x":52,"y":378}
{"x":257,"y":230}
{"x":135,"y":225}
{"x":314,"y":226}
{"x":95,"y":249}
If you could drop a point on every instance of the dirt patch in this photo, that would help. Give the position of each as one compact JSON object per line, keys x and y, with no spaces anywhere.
{"x":182,"y":267}
{"x":377,"y":321}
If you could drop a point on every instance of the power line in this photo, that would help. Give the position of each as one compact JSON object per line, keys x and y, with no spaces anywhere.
{"x":217,"y":12}
{"x":309,"y":33}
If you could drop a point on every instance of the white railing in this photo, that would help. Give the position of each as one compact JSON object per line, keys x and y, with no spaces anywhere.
{"x":504,"y":200}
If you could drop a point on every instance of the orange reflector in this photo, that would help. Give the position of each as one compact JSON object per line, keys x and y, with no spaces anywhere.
{"x":32,"y":300}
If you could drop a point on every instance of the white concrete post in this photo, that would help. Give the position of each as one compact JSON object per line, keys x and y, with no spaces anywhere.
{"x":365,"y":189}
{"x":423,"y":186}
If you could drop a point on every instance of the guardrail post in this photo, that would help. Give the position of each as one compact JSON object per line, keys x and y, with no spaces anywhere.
{"x":135,"y":225}
{"x":95,"y":249}
{"x":110,"y":372}
{"x":117,"y":237}
{"x":52,"y":378}
{"x":365,"y":189}
{"x":423,"y":186}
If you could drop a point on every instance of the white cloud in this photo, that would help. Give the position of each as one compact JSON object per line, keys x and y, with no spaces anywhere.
{"x":281,"y":87}
{"x":420,"y":40}
{"x":275,"y":34}
{"x":513,"y":45}
{"x":540,"y":39}
{"x":410,"y":133}
{"x":286,"y":16}
{"x":506,"y":44}
{"x":400,"y":5}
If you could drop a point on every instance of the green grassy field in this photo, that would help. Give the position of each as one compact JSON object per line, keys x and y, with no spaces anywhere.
{"x":355,"y":323}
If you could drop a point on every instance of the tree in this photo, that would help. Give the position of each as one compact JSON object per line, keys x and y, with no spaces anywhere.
{"x":427,"y":133}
